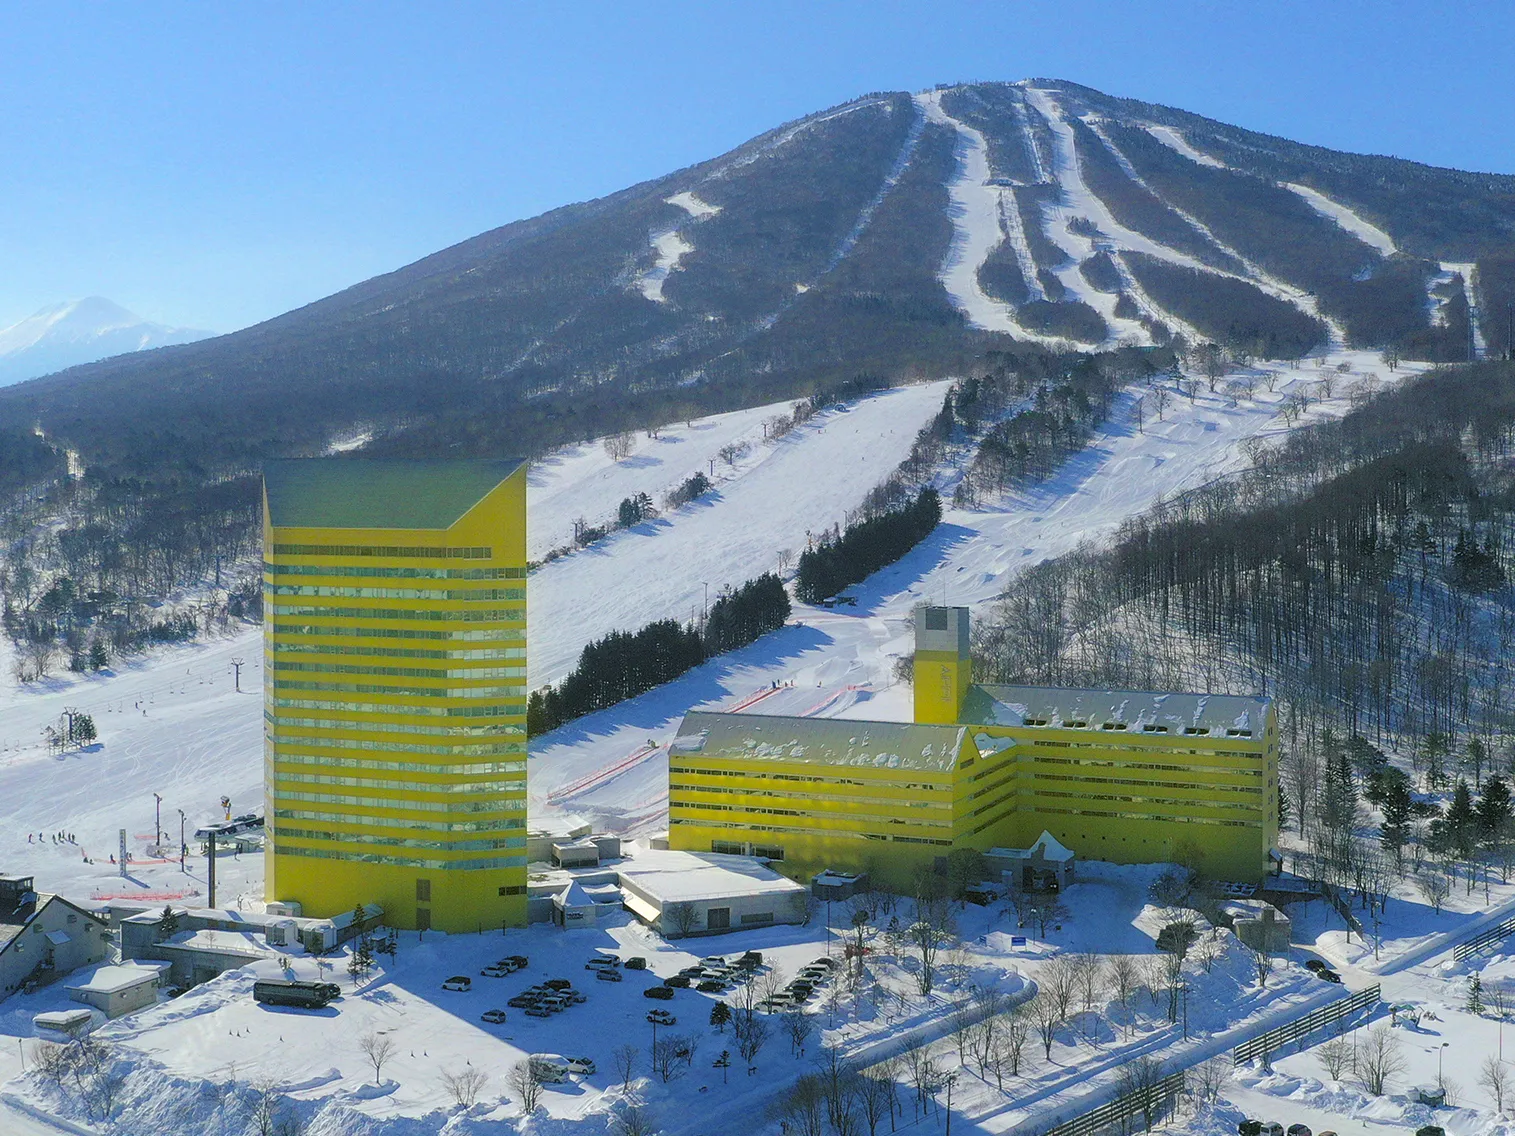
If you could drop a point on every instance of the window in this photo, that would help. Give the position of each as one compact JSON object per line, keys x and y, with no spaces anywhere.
{"x":936,"y":619}
{"x":513,"y":889}
{"x":423,"y":919}
{"x":768,"y":851}
{"x":423,"y":891}
{"x":718,"y":918}
{"x":729,"y":848}
{"x":757,"y":917}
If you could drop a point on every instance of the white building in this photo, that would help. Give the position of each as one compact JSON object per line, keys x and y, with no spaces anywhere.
{"x":705,"y":893}
{"x":117,"y":990}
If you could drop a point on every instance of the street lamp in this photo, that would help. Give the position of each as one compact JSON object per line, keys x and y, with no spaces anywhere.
{"x":1439,"y":1052}
{"x":158,"y":819}
{"x":183,"y":848}
{"x":950,"y":1079}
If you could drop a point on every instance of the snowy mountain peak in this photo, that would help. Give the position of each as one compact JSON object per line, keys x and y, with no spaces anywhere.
{"x":79,"y":331}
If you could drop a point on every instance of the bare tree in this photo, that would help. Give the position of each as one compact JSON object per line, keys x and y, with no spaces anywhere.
{"x":625,"y":1064}
{"x":1058,"y":981}
{"x":1160,"y":400}
{"x":1378,"y":1059}
{"x":1142,"y":1080}
{"x":1435,"y":887}
{"x":378,"y":1048}
{"x":927,"y":940}
{"x":633,"y":1120}
{"x":1015,"y":1031}
{"x":1207,"y":1080}
{"x":464,"y":1085}
{"x":751,"y":1035}
{"x":1123,"y":977}
{"x":525,"y":1083}
{"x":802,"y":1110}
{"x":619,"y":446}
{"x":1494,"y":1075}
{"x":797,"y":1026}
{"x":669,"y":1056}
{"x":680,"y":918}
{"x":1336,"y":1055}
{"x":875,"y":1093}
{"x":1046,"y":1018}
{"x":1262,"y":962}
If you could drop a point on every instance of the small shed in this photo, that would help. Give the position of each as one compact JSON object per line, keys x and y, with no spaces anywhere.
{"x":118,"y":990}
{"x":574,"y":907}
{"x":63,"y":1025}
{"x":576,"y":854}
{"x":833,"y":887}
{"x":1046,"y":866}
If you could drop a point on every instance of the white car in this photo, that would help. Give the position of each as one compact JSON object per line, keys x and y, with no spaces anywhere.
{"x":579,"y":1065}
{"x":458,"y":982}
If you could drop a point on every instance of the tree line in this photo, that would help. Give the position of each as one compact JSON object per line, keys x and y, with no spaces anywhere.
{"x":841,"y":559}
{"x":627,"y":663}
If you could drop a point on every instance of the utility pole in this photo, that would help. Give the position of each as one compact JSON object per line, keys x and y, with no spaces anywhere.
{"x":158,"y":818}
{"x":210,"y":871}
{"x":183,"y":848}
{"x":236,"y":668}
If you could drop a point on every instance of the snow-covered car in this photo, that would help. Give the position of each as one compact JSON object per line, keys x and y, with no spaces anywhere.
{"x":662,"y":1018}
{"x":549,"y":1068}
{"x":608,"y":974}
{"x":458,"y":982}
{"x":580,"y":1065}
{"x":662,"y":993}
{"x":713,"y":960}
{"x":493,"y":1017}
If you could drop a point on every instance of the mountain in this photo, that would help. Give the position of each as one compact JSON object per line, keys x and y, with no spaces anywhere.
{"x":896,"y":236}
{"x":79,"y":331}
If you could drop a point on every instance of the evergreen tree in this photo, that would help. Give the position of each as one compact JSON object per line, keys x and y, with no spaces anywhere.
{"x":1434,"y":752}
{"x":1394,"y":834}
{"x":720,"y":1014}
{"x":1456,"y":833}
{"x":168,"y":923}
{"x":836,"y":562}
{"x":1495,"y":809}
{"x":1475,"y":995}
{"x":84,"y":729}
{"x":97,"y":657}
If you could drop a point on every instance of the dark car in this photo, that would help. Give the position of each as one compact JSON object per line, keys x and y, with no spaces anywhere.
{"x":557,"y":984}
{"x":711,"y":986}
{"x":662,"y":993}
{"x":752,"y":958}
{"x":1330,"y":976}
{"x":636,"y":963}
{"x":680,"y":980}
{"x":519,"y":960}
{"x":1316,"y":965}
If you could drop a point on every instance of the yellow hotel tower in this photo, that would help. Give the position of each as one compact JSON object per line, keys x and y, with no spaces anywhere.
{"x":395,"y":689}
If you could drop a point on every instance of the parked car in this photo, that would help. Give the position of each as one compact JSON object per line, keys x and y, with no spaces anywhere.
{"x":557,"y":984}
{"x":536,"y":1011}
{"x":520,"y":962}
{"x":581,"y":1065}
{"x":711,"y":986}
{"x":636,"y":963}
{"x":605,"y":974}
{"x":1299,"y":1130}
{"x":549,"y":1068}
{"x":458,"y":982}
{"x":508,"y":964}
{"x":600,"y":962}
{"x":493,"y":1017}
{"x":1316,"y":965}
{"x":1273,"y":1129}
{"x":1330,"y":976}
{"x":755,"y":958}
{"x":828,"y":963}
{"x":679,"y":980}
{"x":713,"y":960}
{"x":664,"y":993}
{"x":494,"y":972}
{"x":662,"y":1018}
{"x":692,"y":971}
{"x":576,"y":996}
{"x":521,"y":1001}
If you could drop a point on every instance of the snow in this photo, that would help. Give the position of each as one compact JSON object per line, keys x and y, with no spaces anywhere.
{"x":1171,"y":138}
{"x":671,"y":877}
{"x":1468,"y":273}
{"x":671,"y":246}
{"x":79,"y":331}
{"x":1364,"y":230}
{"x":692,"y":205}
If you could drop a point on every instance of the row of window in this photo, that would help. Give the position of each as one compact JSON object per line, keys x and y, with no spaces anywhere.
{"x":393,"y":573}
{"x":880,"y":836}
{"x":335,"y":591}
{"x":820,"y":821}
{"x":766,"y":851}
{"x":1172,"y":802}
{"x":1202,"y":786}
{"x":493,"y":729}
{"x":494,"y":806}
{"x":284,"y":757}
{"x":799,"y":796}
{"x":283,"y":647}
{"x":400,"y":785}
{"x":1250,"y":755}
{"x":1140,"y":766}
{"x":1149,"y":816}
{"x":498,"y":710}
{"x":698,"y":771}
{"x":476,"y":615}
{"x":463,"y":750}
{"x":515,"y":690}
{"x":502,"y":635}
{"x":500,"y":825}
{"x":403,"y":841}
{"x":402,"y":672}
{"x":403,"y":861}
{"x":1149,"y":728}
{"x":390,"y":551}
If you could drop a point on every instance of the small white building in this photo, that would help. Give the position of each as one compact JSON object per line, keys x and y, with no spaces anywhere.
{"x":707,"y":893}
{"x":118,"y":990}
{"x":1046,"y":866}
{"x":574,"y":907}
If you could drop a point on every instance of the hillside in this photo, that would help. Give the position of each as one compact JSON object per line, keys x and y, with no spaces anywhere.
{"x":79,"y":331}
{"x":895,"y":234}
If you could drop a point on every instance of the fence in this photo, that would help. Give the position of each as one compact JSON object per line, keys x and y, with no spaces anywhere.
{"x":1271,"y":1042}
{"x":1484,"y":939}
{"x":1148,"y":1101}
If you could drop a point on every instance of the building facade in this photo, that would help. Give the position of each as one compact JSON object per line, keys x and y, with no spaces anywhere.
{"x":395,"y":689}
{"x":1123,"y":776}
{"x":43,"y":937}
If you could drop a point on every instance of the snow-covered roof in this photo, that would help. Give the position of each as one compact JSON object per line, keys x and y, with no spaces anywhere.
{"x":114,"y":979}
{"x":820,"y":741}
{"x":673,"y":877}
{"x":573,"y":895}
{"x":1052,"y":849}
{"x":1136,"y":711}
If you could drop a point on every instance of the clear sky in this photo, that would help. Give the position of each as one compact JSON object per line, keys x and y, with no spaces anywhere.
{"x":212,"y":165}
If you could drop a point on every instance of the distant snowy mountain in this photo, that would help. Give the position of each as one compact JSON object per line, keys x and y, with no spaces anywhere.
{"x":79,"y":331}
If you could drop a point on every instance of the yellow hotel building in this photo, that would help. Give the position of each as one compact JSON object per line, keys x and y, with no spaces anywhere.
{"x":395,"y":689}
{"x":1122,"y":776}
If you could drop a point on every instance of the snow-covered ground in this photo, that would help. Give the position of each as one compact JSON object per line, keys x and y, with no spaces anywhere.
{"x":671,"y":246}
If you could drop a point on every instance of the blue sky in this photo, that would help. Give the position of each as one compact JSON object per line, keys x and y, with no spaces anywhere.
{"x":214,"y":165}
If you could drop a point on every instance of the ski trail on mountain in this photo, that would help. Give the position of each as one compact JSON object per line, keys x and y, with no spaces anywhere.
{"x":1256,"y":275}
{"x":1175,"y":141}
{"x":1468,"y":272}
{"x":1345,"y":218}
{"x":865,"y":216}
{"x":978,"y":214}
{"x":671,"y":246}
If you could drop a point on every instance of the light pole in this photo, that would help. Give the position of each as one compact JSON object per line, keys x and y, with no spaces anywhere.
{"x":950,"y":1079}
{"x":158,"y":819}
{"x":183,"y":848}
{"x":1439,"y":1052}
